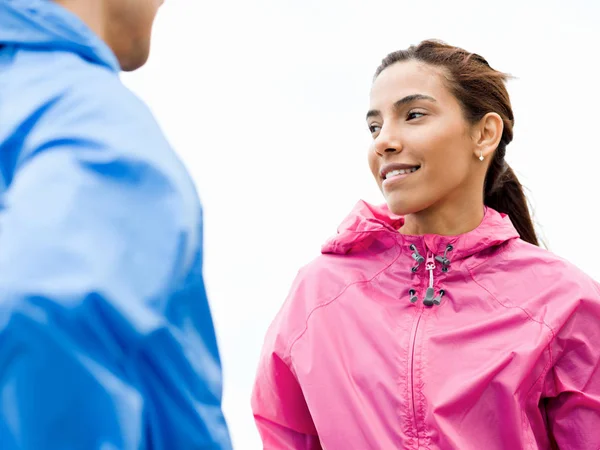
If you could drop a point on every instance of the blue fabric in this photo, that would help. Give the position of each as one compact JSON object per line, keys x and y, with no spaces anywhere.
{"x":106,"y":337}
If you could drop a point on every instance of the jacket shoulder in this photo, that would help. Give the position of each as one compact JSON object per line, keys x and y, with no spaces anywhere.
{"x":546,"y":284}
{"x":321,"y":282}
{"x":531,"y":257}
{"x":85,"y":106}
{"x":81,"y":96}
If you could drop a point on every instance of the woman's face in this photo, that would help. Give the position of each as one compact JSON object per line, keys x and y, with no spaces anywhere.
{"x":422,"y":154}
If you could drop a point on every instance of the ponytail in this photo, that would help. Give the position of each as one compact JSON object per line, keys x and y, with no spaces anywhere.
{"x":504,"y":193}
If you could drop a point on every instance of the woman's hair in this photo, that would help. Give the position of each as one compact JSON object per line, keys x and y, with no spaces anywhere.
{"x":480,"y":90}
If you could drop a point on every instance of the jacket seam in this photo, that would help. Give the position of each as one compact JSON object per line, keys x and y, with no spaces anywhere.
{"x":527,"y":313}
{"x":344,"y":289}
{"x":548,"y":365}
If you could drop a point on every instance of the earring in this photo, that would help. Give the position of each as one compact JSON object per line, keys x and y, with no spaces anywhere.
{"x":481,"y":158}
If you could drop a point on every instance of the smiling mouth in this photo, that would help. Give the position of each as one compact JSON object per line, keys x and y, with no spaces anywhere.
{"x":395,"y":173}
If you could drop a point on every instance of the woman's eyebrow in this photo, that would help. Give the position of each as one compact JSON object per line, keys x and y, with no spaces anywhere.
{"x":403,"y":101}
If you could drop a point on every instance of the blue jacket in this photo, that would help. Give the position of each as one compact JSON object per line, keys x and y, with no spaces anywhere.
{"x":106,"y":337}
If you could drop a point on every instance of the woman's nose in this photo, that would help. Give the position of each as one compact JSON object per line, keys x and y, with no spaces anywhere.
{"x":387,"y":142}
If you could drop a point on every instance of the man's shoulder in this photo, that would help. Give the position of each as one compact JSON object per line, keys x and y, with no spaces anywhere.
{"x":64,"y":83}
{"x":64,"y":97}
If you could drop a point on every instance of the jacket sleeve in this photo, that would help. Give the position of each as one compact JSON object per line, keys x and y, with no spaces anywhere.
{"x":103,"y":342}
{"x":280,"y":409}
{"x":574,"y":407}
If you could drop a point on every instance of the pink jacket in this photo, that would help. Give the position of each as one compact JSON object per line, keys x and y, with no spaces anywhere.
{"x":506,"y":357}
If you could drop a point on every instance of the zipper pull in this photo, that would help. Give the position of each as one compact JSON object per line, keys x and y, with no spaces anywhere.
{"x":430,"y":293}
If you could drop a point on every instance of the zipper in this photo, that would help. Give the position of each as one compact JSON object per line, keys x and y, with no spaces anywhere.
{"x":429,"y":300}
{"x":430,"y":267}
{"x":412,"y":373}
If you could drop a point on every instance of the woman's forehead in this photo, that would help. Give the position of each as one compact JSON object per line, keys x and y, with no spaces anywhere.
{"x":407,"y":78}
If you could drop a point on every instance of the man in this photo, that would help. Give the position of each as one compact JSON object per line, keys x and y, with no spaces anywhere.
{"x":106,"y":339}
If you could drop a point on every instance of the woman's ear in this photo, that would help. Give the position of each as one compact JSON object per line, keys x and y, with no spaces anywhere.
{"x":488,"y":133}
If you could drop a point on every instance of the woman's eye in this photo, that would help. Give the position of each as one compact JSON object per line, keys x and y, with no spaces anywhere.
{"x":414,"y":115}
{"x":374,"y":128}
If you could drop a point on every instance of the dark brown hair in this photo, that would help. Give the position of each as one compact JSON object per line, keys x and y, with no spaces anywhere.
{"x":480,"y":90}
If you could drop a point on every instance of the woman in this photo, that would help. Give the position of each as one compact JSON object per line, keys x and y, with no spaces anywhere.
{"x":435,"y":322}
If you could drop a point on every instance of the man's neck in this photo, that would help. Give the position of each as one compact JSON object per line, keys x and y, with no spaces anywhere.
{"x":90,"y":12}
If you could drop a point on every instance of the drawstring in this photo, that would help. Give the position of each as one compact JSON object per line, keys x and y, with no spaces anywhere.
{"x":443,"y":260}
{"x":430,"y":298}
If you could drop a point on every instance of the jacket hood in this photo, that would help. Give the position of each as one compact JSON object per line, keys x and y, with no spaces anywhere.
{"x":366,"y":223}
{"x":42,"y":24}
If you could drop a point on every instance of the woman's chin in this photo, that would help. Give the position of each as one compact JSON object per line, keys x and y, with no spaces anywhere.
{"x":400,"y":208}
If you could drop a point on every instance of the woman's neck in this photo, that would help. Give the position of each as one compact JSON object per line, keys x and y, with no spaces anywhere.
{"x":444,"y":220}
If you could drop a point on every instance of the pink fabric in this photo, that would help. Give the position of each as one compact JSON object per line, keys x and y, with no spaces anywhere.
{"x":508,"y":360}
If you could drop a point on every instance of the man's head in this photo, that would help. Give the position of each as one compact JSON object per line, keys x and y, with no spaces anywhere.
{"x":125,"y":26}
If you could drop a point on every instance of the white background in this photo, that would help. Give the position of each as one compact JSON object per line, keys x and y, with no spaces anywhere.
{"x":265,"y":102}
